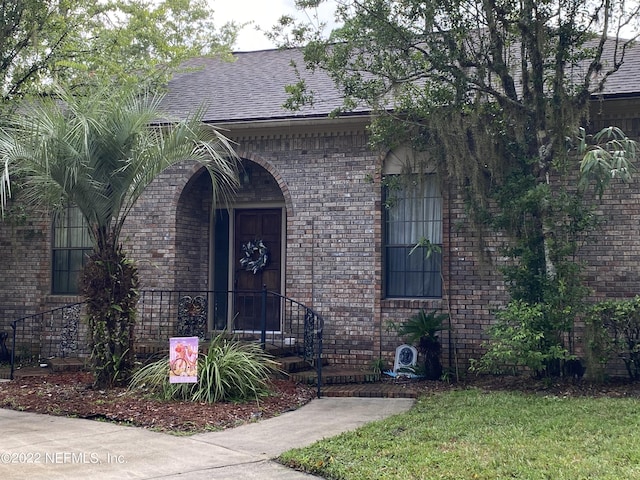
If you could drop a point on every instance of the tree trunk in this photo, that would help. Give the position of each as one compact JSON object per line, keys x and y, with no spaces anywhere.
{"x":109,"y":283}
{"x":430,"y":350}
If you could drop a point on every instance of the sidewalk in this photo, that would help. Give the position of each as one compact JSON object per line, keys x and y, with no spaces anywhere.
{"x":45,"y":447}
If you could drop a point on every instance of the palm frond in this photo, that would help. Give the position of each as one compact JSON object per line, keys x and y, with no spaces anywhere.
{"x":101,"y":152}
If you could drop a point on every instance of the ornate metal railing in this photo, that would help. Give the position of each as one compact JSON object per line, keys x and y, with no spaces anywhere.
{"x":287,"y":326}
{"x":55,"y":333}
{"x":296,"y":328}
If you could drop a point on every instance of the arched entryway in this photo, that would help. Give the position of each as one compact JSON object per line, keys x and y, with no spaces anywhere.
{"x":248,"y":252}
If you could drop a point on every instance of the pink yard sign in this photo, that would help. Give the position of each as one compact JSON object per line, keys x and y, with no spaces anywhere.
{"x":183,"y":360}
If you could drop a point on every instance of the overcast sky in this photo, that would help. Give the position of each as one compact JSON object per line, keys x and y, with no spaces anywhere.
{"x":264,"y":13}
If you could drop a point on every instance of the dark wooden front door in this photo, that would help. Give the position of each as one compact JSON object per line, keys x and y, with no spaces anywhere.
{"x":252,"y":226}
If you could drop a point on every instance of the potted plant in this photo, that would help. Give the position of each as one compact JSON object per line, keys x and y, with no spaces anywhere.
{"x":422,"y":330}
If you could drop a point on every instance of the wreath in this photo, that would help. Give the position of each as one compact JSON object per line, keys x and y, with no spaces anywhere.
{"x":256,"y":256}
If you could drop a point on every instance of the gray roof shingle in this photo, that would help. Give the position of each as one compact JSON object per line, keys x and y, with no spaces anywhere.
{"x":250,"y":88}
{"x":253,"y":87}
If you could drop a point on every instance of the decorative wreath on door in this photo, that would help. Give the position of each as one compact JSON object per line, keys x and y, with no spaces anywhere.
{"x":255,"y":256}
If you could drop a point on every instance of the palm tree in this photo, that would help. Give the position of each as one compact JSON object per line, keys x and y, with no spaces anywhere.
{"x":99,"y":152}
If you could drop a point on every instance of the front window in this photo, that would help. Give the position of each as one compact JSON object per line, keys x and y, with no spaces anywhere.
{"x":413,"y":209}
{"x":71,"y":245}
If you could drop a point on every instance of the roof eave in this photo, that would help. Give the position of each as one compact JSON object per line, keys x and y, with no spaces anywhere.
{"x":355,"y":117}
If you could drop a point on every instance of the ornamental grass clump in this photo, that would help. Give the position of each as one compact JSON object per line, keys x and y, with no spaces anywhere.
{"x":229,"y":371}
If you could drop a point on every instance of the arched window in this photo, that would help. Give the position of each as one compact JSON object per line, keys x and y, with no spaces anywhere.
{"x":412,"y":230}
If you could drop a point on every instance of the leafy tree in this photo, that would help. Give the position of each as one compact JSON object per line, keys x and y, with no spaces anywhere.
{"x":125,"y":40}
{"x":99,"y":152}
{"x":83,"y":43}
{"x":495,"y":91}
{"x":146,"y":41}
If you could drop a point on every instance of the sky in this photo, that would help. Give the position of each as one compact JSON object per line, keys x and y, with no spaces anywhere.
{"x":264,"y":13}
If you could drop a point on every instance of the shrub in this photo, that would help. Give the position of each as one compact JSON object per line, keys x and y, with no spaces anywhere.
{"x":613,"y":330}
{"x":522,"y":338}
{"x":230,"y":370}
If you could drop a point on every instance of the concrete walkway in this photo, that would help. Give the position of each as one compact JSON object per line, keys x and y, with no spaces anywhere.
{"x":45,"y":447}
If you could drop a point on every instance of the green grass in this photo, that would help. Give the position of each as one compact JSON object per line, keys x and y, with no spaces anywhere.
{"x":470,"y":434}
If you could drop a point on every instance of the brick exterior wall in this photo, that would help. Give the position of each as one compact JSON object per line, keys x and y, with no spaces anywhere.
{"x":25,"y":246}
{"x":328,"y":181}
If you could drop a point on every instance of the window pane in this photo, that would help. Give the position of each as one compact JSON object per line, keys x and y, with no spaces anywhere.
{"x":75,"y":237}
{"x":59,"y":283}
{"x":415,"y":214}
{"x":60,"y":237}
{"x":60,"y":271}
{"x":71,"y":244}
{"x":76,"y":260}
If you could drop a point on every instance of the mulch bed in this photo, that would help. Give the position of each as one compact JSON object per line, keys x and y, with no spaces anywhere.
{"x":71,"y":394}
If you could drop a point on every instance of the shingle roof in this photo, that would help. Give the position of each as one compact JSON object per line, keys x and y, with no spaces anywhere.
{"x":250,"y":88}
{"x":253,"y":87}
{"x":626,"y":81}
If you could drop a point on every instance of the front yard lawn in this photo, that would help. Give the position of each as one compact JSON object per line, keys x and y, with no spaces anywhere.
{"x":475,"y":434}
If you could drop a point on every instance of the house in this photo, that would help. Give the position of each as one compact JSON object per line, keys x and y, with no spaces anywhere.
{"x":311,"y":201}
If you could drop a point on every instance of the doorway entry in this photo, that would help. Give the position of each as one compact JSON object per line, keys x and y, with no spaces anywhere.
{"x":257,"y":263}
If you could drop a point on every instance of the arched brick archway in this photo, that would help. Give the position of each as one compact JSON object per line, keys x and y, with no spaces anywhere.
{"x":269,"y":167}
{"x":209,"y":240}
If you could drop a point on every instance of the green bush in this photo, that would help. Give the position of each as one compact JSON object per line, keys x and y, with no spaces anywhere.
{"x":613,"y":331}
{"x":230,"y":370}
{"x":522,"y":338}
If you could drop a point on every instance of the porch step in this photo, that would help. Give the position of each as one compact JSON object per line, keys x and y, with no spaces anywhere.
{"x":28,"y":372}
{"x":277,"y":351}
{"x":370,"y":390}
{"x":295,"y":364}
{"x":336,"y":375}
{"x":68,"y":364}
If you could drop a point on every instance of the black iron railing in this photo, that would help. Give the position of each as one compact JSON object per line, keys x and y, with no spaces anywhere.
{"x":264,"y":316}
{"x":56,"y":333}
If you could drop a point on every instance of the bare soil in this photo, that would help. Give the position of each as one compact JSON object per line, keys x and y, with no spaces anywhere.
{"x":71,"y":394}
